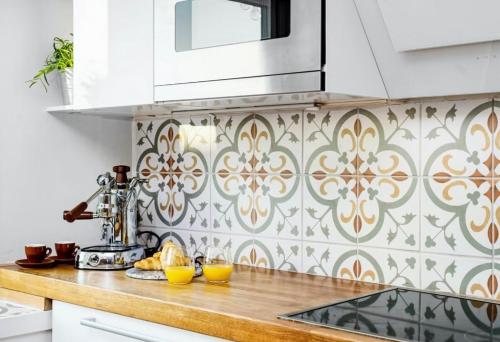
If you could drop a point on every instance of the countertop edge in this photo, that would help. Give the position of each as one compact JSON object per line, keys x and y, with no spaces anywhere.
{"x":238,"y":328}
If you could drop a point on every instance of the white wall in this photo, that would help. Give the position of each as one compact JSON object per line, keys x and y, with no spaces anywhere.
{"x":48,"y":163}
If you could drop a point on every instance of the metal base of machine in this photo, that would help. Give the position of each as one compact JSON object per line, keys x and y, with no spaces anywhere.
{"x":108,"y":257}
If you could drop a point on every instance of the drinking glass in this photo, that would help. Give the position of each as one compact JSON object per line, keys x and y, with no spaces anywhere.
{"x":178,"y":265}
{"x":218,"y":264}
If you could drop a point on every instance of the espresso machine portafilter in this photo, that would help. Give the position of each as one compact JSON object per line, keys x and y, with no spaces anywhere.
{"x":117,"y":211}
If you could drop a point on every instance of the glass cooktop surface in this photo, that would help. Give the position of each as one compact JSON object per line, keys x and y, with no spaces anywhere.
{"x":407,"y":315}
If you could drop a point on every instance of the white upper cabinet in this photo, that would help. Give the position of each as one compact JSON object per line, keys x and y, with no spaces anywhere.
{"x":113,"y":53}
{"x":440,"y":71}
{"x":422,"y":24}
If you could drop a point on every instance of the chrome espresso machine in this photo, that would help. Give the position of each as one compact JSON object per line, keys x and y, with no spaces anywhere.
{"x":117,"y":210}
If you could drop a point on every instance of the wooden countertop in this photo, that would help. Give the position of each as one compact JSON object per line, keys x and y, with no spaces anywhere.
{"x":243,"y":310}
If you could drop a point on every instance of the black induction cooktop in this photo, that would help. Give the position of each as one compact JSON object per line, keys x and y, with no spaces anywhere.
{"x":406,"y":315}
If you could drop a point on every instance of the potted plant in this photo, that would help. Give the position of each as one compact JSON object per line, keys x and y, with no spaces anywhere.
{"x":60,"y":60}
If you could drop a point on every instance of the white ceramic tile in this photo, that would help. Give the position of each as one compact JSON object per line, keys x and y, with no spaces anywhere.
{"x":390,"y":266}
{"x":458,"y":275}
{"x":330,"y":142}
{"x":330,"y":209}
{"x":278,"y":202}
{"x":389,"y":212}
{"x":278,"y":143}
{"x":232,"y":203}
{"x":456,"y":139}
{"x":232,"y":143}
{"x":388,"y":140}
{"x":329,"y":260}
{"x":456,"y":216}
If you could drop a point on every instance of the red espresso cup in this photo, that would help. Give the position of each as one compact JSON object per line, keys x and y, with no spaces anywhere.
{"x":36,"y":253}
{"x":66,"y":249}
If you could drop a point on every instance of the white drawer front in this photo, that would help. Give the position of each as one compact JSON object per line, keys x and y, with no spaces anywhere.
{"x":79,"y":324}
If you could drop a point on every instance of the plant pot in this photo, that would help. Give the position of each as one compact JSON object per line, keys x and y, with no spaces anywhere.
{"x":66,"y":81}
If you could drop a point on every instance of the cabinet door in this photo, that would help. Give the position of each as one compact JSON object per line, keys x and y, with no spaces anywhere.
{"x":78,"y":324}
{"x":113,"y":53}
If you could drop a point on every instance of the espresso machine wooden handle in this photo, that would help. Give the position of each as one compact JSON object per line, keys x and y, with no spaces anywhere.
{"x":74,"y":213}
{"x":86,"y":215}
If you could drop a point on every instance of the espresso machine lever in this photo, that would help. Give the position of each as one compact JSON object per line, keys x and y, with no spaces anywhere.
{"x":117,"y":210}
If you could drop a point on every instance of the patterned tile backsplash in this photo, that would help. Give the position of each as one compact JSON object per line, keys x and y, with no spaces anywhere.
{"x":403,"y":195}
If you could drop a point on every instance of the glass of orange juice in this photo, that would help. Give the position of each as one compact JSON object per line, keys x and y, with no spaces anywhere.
{"x":177,"y":263}
{"x":218,"y":264}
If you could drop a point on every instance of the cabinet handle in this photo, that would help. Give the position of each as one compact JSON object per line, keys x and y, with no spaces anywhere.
{"x":92,"y":323}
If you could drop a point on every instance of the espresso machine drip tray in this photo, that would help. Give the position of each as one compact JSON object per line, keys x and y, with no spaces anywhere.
{"x":109,"y":257}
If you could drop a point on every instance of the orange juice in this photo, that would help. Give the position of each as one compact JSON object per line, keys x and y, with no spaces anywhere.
{"x":218,"y":272}
{"x":179,"y":274}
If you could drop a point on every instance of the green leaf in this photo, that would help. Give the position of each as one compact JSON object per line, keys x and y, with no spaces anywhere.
{"x":309,"y":251}
{"x":429,"y":242}
{"x":310,"y":117}
{"x":216,"y":120}
{"x":430,"y":111}
{"x":451,"y":269}
{"x":408,"y":218}
{"x":295,"y":118}
{"x":432,"y":219}
{"x":295,"y":250}
{"x":325,"y":255}
{"x":407,"y":134}
{"x":280,"y":251}
{"x":229,"y":122}
{"x":433,"y":133}
{"x":311,"y":270}
{"x":433,"y":286}
{"x":391,"y":116}
{"x":280,"y":226}
{"x":139,"y":126}
{"x":411,"y":112}
{"x":281,"y":122}
{"x":309,"y":231}
{"x":411,"y":262}
{"x":292,"y":211}
{"x":325,"y":230}
{"x":391,"y":236}
{"x":293,"y":138}
{"x":141,"y":141}
{"x":450,"y":240}
{"x":312,"y":137}
{"x":410,"y":240}
{"x":391,"y":262}
{"x":311,"y":212}
{"x":326,"y":119}
{"x":451,"y":114}
{"x":429,"y":264}
{"x":150,"y":217}
{"x":150,"y":127}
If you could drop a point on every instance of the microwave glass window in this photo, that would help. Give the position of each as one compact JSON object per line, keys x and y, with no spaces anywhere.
{"x":208,"y":23}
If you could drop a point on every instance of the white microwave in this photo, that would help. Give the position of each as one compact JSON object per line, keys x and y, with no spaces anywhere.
{"x":207,"y":49}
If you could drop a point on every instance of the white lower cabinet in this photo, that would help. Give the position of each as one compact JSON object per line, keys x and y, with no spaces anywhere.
{"x":79,"y":324}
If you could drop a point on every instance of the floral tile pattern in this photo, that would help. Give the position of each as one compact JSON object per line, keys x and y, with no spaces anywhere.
{"x":387,"y":141}
{"x":457,"y":138}
{"x":464,"y":276}
{"x":330,"y":208}
{"x":407,"y":195}
{"x":457,"y":216}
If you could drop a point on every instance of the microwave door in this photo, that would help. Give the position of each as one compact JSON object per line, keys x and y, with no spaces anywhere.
{"x":209,"y":40}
